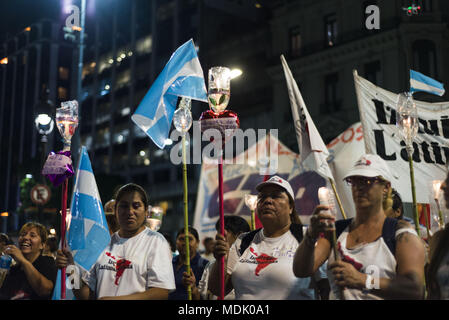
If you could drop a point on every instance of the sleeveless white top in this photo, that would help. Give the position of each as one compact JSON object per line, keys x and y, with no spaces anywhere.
{"x":374,"y":258}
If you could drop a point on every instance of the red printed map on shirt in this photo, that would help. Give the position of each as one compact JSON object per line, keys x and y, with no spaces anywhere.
{"x":120,"y":266}
{"x":263,"y":260}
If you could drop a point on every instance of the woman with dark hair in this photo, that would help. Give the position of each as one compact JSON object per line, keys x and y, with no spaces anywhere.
{"x":197,"y":265}
{"x":136,"y":265}
{"x":33,"y":277}
{"x":259,"y":265}
{"x":438,"y":269}
{"x":234,"y":226}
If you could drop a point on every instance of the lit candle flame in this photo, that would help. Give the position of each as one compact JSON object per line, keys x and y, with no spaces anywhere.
{"x":436,"y":188}
{"x":251,"y":201}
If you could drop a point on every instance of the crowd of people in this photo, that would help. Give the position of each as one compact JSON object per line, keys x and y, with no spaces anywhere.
{"x":377,"y":254}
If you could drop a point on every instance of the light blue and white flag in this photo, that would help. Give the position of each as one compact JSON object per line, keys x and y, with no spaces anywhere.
{"x":88,"y":232}
{"x":57,"y":289}
{"x":420,"y":82}
{"x":182,"y":76}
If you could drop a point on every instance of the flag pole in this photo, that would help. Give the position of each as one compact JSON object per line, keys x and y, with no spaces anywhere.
{"x":63,"y":231}
{"x":186,"y":213}
{"x":427,"y":223}
{"x":222,"y":231}
{"x":412,"y":180}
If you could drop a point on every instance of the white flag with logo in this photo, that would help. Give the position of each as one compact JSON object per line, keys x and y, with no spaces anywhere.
{"x":310,"y":142}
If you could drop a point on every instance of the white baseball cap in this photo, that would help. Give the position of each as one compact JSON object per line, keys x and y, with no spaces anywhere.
{"x":276,"y":180}
{"x":371,"y":165}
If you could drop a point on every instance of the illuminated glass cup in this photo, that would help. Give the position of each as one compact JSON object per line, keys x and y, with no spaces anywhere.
{"x":67,"y":121}
{"x":219,"y":88}
{"x":407,"y":117}
{"x":154,"y":218}
{"x":182,"y":118}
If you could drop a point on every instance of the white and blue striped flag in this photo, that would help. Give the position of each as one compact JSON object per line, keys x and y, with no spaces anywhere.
{"x":182,"y":76}
{"x":420,"y":82}
{"x":87,"y":231}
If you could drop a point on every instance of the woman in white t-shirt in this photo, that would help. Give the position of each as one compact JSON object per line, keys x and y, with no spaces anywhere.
{"x":264,"y":269}
{"x":380,"y":258}
{"x":136,"y":265}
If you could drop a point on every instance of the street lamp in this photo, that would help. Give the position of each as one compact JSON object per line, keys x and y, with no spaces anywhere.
{"x":44,"y":120}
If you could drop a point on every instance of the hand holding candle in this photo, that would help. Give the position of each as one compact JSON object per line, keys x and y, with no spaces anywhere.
{"x":326,"y":199}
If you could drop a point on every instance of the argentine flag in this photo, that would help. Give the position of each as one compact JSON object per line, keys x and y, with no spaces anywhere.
{"x":88,"y":232}
{"x":420,"y":82}
{"x":182,"y":76}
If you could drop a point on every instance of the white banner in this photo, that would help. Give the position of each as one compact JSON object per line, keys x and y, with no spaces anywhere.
{"x":344,"y":151}
{"x":377,"y":109}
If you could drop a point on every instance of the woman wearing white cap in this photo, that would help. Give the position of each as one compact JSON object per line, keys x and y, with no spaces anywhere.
{"x":259,"y":263}
{"x":381,"y":258}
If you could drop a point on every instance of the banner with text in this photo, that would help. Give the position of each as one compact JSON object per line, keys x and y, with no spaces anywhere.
{"x":377,"y":109}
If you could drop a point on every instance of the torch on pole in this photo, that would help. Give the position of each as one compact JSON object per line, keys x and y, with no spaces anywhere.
{"x":407,"y":123}
{"x":182,"y":120}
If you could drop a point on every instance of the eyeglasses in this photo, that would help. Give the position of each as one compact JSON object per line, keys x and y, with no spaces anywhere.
{"x":363,"y":181}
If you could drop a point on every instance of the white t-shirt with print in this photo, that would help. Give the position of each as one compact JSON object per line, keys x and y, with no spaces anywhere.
{"x":131,"y":265}
{"x":265,"y":270}
{"x":372,"y":258}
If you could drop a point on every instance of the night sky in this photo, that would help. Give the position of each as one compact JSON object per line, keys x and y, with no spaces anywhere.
{"x":15,"y":15}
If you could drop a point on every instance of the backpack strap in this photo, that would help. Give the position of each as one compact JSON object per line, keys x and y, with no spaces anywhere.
{"x":295,"y":229}
{"x":247,"y":239}
{"x":341,"y":225}
{"x":389,"y":232}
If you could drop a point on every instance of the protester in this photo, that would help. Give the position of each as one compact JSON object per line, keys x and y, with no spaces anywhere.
{"x":381,"y":258}
{"x":109,"y":210}
{"x":209,"y":244}
{"x":51,"y":247}
{"x":4,"y":240}
{"x":438,"y":269}
{"x":394,"y":208}
{"x":234,"y":226}
{"x":197,"y":265}
{"x":259,"y":264}
{"x":33,"y":276}
{"x":136,"y":263}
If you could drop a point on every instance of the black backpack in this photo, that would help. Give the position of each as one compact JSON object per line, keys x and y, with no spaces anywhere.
{"x":388,"y":231}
